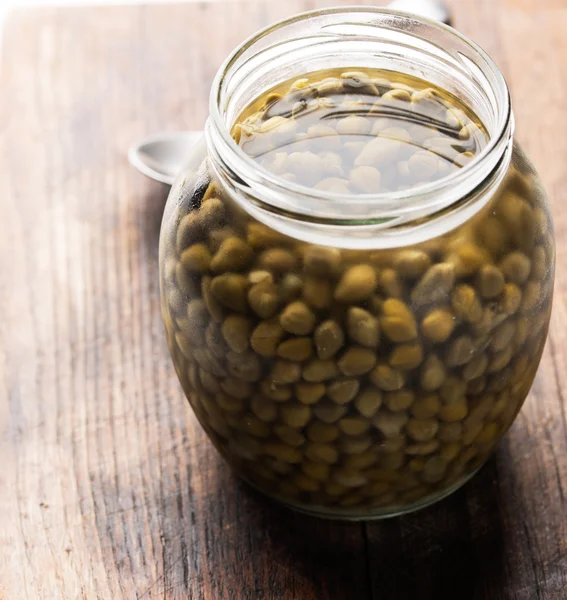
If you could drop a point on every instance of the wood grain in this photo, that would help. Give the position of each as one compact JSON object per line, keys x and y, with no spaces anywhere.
{"x":109,"y":488}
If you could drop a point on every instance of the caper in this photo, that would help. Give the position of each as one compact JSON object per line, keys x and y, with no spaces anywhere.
{"x":412,"y":263}
{"x":329,"y":338}
{"x":266,"y":337}
{"x":368,"y":402}
{"x":321,"y":261}
{"x":317,"y":370}
{"x":309,"y":393}
{"x":362,"y":327}
{"x":435,"y":285}
{"x":285,"y":372}
{"x":406,"y":356}
{"x":329,"y":412}
{"x":398,"y":322}
{"x":456,"y":411}
{"x":353,"y":125}
{"x":460,"y":351}
{"x":390,"y":424}
{"x":213,"y":305}
{"x":277,"y":260}
{"x":236,"y":330}
{"x":490,"y":281}
{"x":432,"y":374}
{"x":234,"y":254}
{"x":531,"y":297}
{"x":343,"y":391}
{"x":297,"y":318}
{"x":423,"y":165}
{"x":299,"y":349}
{"x":422,"y":430}
{"x":356,"y":284}
{"x":516,"y":266}
{"x":264,"y":408}
{"x":397,"y":95}
{"x":230,"y":290}
{"x":365,"y":179}
{"x":387,"y":378}
{"x":467,"y":258}
{"x":426,"y":406}
{"x":196,"y":258}
{"x":357,"y":360}
{"x":378,"y":151}
{"x":399,"y":400}
{"x":307,"y":166}
{"x":290,"y":287}
{"x":438,"y":325}
{"x":279,"y":393}
{"x":317,"y":292}
{"x":389,"y":283}
{"x":335,"y":185}
{"x":466,"y":304}
{"x":263,"y":299}
{"x":295,"y":415}
{"x":321,"y":453}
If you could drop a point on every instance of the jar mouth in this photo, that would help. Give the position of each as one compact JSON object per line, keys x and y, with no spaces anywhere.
{"x":403,"y":38}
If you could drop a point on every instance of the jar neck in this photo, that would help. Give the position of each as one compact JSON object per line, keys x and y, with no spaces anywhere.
{"x":360,"y":37}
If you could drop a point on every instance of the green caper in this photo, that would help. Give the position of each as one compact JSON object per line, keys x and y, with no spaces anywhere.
{"x":329,"y":338}
{"x":266,"y":337}
{"x":321,"y":261}
{"x":277,"y":260}
{"x":318,"y":370}
{"x":432,"y":374}
{"x":236,"y":330}
{"x":516,"y":267}
{"x":317,"y":292}
{"x":435,"y":285}
{"x":406,"y":356}
{"x":357,"y":283}
{"x":343,"y":391}
{"x":466,"y":304}
{"x":368,"y":402}
{"x":387,"y":378}
{"x":438,"y":325}
{"x":297,"y":318}
{"x":309,"y":393}
{"x":398,"y":322}
{"x":412,"y":263}
{"x":362,"y":327}
{"x":357,"y":360}
{"x":234,"y":254}
{"x":230,"y":290}
{"x":263,"y":299}
{"x":299,"y":349}
{"x":196,"y":258}
{"x":285,"y":372}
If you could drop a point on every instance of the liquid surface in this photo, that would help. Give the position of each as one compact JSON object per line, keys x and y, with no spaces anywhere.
{"x":351,"y":131}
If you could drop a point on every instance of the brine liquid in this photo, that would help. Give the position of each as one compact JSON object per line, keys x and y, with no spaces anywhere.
{"x":349,"y":131}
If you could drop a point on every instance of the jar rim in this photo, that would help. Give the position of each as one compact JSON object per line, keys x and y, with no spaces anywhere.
{"x":456,"y":184}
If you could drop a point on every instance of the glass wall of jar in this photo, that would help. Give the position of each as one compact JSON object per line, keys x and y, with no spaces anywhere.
{"x":357,"y":266}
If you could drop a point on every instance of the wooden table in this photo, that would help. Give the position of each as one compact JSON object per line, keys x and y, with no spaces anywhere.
{"x":108,"y":487}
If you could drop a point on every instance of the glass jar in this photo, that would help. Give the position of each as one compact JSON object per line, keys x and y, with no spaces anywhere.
{"x":389,"y":384}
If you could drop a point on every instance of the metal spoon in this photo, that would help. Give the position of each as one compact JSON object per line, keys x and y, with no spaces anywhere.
{"x":162,"y":156}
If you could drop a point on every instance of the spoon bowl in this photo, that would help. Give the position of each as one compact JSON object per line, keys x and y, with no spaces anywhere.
{"x":162,"y":156}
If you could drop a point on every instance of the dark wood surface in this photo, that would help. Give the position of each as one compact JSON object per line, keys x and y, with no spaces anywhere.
{"x":108,"y":487}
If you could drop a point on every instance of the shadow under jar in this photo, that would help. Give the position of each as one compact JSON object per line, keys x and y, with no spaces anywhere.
{"x":357,"y":266}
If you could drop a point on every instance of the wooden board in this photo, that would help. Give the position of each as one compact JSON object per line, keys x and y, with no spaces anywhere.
{"x":108,"y":487}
